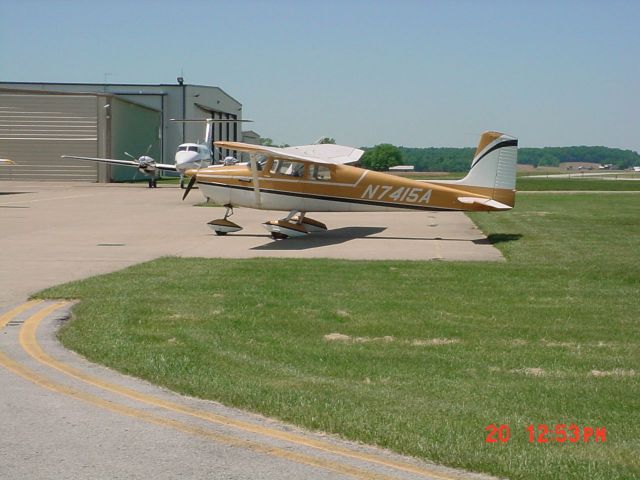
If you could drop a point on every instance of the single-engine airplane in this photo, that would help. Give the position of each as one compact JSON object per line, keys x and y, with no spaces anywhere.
{"x":188,"y":155}
{"x":317,"y":178}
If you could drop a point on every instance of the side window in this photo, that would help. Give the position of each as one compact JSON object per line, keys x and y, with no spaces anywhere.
{"x":320,"y":172}
{"x":287,"y":167}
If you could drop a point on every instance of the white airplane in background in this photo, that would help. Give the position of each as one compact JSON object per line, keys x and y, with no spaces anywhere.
{"x":6,"y":161}
{"x":188,"y":156}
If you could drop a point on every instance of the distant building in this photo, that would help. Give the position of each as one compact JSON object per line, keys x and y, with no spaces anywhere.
{"x":249,"y":136}
{"x":41,"y":121}
{"x":402,"y":168}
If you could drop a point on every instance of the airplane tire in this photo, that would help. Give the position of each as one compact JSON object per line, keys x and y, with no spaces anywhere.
{"x":218,"y":232}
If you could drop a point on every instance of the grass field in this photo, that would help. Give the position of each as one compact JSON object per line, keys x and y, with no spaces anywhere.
{"x":577,"y":183}
{"x":419,"y":357}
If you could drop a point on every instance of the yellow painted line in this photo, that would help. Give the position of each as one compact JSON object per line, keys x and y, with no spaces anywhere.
{"x":30,"y":344}
{"x":43,"y":382}
{"x":135,"y":413}
{"x":8,"y":316}
{"x":36,"y":200}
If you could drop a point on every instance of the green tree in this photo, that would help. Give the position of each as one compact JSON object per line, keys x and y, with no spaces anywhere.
{"x":327,"y":140}
{"x":381,"y":157}
{"x":268,"y":142}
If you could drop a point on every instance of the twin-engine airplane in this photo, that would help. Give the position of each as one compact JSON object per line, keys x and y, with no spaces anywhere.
{"x":317,"y":178}
{"x":188,"y":155}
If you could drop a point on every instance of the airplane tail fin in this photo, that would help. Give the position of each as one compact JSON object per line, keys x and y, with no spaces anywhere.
{"x":493,"y":169}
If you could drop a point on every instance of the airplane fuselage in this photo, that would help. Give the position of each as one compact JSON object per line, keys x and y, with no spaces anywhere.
{"x":192,"y":155}
{"x":332,"y":188}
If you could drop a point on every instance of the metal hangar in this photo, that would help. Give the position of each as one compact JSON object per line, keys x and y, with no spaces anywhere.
{"x":41,"y":121}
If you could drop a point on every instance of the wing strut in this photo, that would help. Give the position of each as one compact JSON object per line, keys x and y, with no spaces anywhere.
{"x":254,"y":176}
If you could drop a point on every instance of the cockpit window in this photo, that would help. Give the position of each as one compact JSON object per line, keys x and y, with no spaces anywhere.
{"x":193,"y":149}
{"x":287,"y":167}
{"x":260,"y":161}
{"x":182,"y":148}
{"x":320,"y":172}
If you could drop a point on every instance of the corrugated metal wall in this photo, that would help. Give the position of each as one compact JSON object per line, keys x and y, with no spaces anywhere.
{"x":35,"y":129}
{"x":134,"y":129}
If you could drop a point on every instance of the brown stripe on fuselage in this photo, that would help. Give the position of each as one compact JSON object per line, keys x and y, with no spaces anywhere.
{"x":360,"y":185}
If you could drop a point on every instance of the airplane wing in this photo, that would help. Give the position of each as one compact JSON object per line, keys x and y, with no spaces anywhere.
{"x":6,"y":161}
{"x":166,"y":167}
{"x":128,"y":163}
{"x":332,"y":154}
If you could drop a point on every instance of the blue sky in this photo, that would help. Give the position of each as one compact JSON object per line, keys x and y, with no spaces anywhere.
{"x":413,"y":73}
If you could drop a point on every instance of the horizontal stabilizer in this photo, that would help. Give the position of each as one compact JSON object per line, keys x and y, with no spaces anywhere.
{"x":484,"y":201}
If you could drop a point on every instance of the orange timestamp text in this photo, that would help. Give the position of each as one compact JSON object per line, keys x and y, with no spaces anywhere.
{"x":542,"y":433}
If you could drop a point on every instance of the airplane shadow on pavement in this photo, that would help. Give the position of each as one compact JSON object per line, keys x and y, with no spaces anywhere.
{"x":321,"y":239}
{"x":342,"y":235}
{"x":494,"y":238}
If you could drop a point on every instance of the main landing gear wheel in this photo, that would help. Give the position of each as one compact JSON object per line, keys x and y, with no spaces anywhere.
{"x":222,"y":226}
{"x":153,"y":183}
{"x":293,"y":225}
{"x":278,"y":236}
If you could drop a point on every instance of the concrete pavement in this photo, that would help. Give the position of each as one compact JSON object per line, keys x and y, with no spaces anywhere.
{"x":57,"y":232}
{"x":63,"y":417}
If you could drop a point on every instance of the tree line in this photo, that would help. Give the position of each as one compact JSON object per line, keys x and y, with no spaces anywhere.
{"x":459,"y":159}
{"x":446,"y":159}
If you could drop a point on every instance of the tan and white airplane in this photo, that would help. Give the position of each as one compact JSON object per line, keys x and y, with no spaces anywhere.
{"x":317,"y":178}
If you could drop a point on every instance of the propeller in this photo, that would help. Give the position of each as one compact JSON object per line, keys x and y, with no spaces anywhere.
{"x":143,"y":160}
{"x":192,"y":182}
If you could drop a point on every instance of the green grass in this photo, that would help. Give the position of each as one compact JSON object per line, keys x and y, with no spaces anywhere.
{"x":575,"y":184}
{"x":250,"y":333}
{"x":208,"y":203}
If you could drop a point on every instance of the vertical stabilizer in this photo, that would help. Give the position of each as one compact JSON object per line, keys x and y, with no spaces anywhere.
{"x":208,"y":135}
{"x":494,"y":163}
{"x":493,"y":169}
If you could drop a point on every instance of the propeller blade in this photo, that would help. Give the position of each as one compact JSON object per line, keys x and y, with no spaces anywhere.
{"x":192,"y":182}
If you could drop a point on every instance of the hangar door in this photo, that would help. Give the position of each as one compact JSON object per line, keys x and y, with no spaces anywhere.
{"x":36,"y":128}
